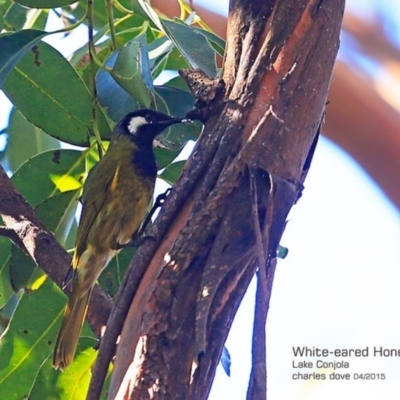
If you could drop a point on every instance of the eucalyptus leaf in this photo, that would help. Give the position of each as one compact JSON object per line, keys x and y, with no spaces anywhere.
{"x":193,"y":45}
{"x":15,"y":17}
{"x":165,"y":156}
{"x":60,"y":107}
{"x":143,"y":8}
{"x":53,"y":171}
{"x":172,"y":172}
{"x":6,"y":289}
{"x":217,"y":42}
{"x":176,"y":102}
{"x":29,"y":340}
{"x":13,"y":47}
{"x":176,"y":60}
{"x":22,"y":269}
{"x":70,"y":384}
{"x":112,"y":97}
{"x":4,"y":5}
{"x":132,"y":72}
{"x":25,"y":140}
{"x":7,"y":312}
{"x":159,"y":47}
{"x":111,"y":277}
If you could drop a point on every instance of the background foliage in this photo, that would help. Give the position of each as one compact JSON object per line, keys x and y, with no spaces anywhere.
{"x":60,"y":103}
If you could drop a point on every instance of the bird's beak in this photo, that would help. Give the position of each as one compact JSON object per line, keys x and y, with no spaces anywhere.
{"x":173,"y":120}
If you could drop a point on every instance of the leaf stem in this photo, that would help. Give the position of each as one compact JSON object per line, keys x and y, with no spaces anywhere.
{"x":73,"y":26}
{"x":110,"y":16}
{"x":120,"y":7}
{"x":92,"y":62}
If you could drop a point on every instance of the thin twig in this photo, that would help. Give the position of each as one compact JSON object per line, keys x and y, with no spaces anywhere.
{"x":257,"y":388}
{"x":92,"y":55}
{"x":110,"y":16}
{"x":121,"y":8}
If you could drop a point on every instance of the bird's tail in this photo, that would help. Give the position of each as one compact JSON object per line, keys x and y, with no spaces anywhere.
{"x":74,"y":316}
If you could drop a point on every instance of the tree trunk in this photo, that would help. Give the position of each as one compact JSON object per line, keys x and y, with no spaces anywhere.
{"x":225,"y":216}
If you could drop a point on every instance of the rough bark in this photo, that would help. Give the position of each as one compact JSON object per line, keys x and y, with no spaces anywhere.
{"x":226,"y":214}
{"x":363,"y":114}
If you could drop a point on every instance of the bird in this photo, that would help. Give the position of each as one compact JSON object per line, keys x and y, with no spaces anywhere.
{"x":115,"y":198}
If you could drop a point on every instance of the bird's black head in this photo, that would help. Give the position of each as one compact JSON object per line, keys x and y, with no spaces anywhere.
{"x":144,"y":125}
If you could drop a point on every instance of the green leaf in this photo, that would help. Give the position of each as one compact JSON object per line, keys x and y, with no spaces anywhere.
{"x":176,"y":60}
{"x":29,"y":340}
{"x":165,"y":156}
{"x":4,"y":5}
{"x":217,"y":42}
{"x":177,"y":82}
{"x":60,"y":107}
{"x":15,"y":17}
{"x":45,"y":3}
{"x":176,"y":102}
{"x":193,"y":45}
{"x":111,"y":277}
{"x":172,"y":172}
{"x":25,"y":365}
{"x":49,"y":173}
{"x":132,"y":72}
{"x":22,"y":269}
{"x":146,"y":11}
{"x":7,"y":312}
{"x":177,"y":136}
{"x":25,"y":140}
{"x":13,"y":47}
{"x":73,"y":383}
{"x":112,"y":97}
{"x":6,"y":290}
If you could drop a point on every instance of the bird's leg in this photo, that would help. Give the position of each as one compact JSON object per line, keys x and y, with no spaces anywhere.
{"x":160,"y":200}
{"x":138,"y":237}
{"x":68,"y":278}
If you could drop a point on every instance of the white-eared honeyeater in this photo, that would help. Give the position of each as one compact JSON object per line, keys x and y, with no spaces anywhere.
{"x":115,"y":198}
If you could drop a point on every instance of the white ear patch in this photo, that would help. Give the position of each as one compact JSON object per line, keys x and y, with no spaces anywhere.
{"x":135,"y":123}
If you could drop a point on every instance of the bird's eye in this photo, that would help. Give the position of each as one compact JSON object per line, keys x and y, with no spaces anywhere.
{"x":150,"y":118}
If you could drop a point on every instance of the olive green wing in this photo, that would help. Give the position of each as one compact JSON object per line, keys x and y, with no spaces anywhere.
{"x":94,"y":196}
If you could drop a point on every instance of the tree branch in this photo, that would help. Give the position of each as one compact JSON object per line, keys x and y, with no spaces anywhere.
{"x":32,"y":237}
{"x":276,"y":76}
{"x":13,"y":236}
{"x":360,"y":120}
